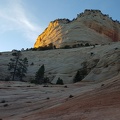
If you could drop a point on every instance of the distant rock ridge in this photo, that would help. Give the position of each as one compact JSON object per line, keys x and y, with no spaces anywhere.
{"x":89,"y":27}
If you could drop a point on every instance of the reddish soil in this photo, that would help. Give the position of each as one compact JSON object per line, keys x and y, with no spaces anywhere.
{"x":100,"y":104}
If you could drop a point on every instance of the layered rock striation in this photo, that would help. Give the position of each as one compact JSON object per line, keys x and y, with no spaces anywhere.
{"x":97,"y":63}
{"x":89,"y":27}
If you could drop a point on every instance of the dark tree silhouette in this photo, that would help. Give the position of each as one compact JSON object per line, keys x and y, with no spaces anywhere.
{"x":39,"y":77}
{"x":22,"y":68}
{"x":17,"y":66}
{"x":59,"y":81}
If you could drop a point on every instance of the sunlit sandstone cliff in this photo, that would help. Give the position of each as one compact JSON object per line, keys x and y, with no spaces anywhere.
{"x":89,"y":27}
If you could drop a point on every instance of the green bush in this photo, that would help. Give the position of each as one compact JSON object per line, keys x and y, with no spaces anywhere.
{"x":32,"y":81}
{"x":66,"y":47}
{"x":87,"y":44}
{"x":7,"y":78}
{"x":59,"y":81}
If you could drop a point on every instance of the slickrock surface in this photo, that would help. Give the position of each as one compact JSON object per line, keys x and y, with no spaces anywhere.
{"x":89,"y":27}
{"x":90,"y":101}
{"x":103,"y":61}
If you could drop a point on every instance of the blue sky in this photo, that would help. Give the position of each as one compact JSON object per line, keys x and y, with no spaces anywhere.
{"x":21,"y":21}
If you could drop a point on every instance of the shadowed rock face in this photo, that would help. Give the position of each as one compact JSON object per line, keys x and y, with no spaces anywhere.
{"x":89,"y":27}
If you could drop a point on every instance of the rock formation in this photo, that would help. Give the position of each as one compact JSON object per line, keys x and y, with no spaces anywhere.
{"x":95,"y":63}
{"x":100,"y":63}
{"x":89,"y":27}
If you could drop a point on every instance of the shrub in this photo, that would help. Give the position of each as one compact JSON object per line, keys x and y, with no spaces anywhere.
{"x":32,"y":80}
{"x":102,"y":85}
{"x":3,"y":101}
{"x":66,"y":47}
{"x":74,"y":46}
{"x":81,"y":45}
{"x":116,"y":48}
{"x":59,"y":81}
{"x":45,"y":86}
{"x":7,"y":78}
{"x":5,"y":105}
{"x":71,"y":96}
{"x":46,"y":80}
{"x":32,"y":63}
{"x":65,"y":86}
{"x":47,"y":98}
{"x":92,"y":53}
{"x":87,"y":44}
{"x":34,"y":49}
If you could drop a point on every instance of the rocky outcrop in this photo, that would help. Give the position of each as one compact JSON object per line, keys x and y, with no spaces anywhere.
{"x":89,"y":27}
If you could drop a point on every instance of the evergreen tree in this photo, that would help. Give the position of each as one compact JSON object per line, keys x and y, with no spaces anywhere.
{"x":39,"y":77}
{"x":13,"y":65}
{"x":22,"y":68}
{"x":80,"y":75}
{"x":77,"y":77}
{"x":17,"y":66}
{"x":59,"y":81}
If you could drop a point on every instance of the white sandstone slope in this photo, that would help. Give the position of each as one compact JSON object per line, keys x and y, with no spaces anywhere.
{"x":102,"y":62}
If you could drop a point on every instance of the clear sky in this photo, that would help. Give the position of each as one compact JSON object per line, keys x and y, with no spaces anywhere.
{"x":21,"y":21}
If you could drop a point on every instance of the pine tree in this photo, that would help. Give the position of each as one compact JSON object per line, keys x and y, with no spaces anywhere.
{"x":17,"y":66}
{"x":13,"y":65}
{"x":22,"y":67}
{"x":39,"y":77}
{"x":77,"y":77}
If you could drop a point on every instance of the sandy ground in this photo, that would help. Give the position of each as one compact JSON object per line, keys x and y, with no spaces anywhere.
{"x":90,"y":101}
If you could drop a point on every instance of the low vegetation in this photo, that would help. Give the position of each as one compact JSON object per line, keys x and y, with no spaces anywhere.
{"x":71,"y":96}
{"x":51,"y":46}
{"x":59,"y":81}
{"x":3,"y":101}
